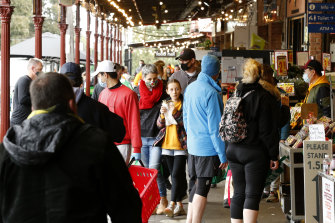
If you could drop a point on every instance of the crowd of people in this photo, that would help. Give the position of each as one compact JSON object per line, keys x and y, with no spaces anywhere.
{"x":64,"y":157}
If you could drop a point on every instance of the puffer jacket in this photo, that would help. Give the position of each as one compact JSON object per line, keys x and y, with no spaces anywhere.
{"x":54,"y":168}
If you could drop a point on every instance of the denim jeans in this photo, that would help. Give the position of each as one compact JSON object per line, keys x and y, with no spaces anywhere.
{"x":151,"y":157}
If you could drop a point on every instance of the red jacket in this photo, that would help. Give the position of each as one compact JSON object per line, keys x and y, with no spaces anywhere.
{"x":124,"y":102}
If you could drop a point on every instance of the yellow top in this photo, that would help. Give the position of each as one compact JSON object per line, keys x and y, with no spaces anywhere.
{"x":320,"y":80}
{"x":171,"y":140}
{"x":138,"y":78}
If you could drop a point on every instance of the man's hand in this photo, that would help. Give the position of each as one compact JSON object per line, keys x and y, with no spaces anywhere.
{"x":223,"y":165}
{"x":274,"y":165}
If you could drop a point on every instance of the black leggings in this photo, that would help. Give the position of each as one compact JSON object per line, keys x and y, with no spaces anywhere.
{"x":249,"y":167}
{"x":177,"y":168}
{"x":200,"y":186}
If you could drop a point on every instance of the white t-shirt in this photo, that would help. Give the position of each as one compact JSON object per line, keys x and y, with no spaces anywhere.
{"x":191,"y":74}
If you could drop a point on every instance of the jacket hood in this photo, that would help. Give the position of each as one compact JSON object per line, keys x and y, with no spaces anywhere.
{"x":204,"y":77}
{"x":210,"y":65}
{"x":273,"y":90}
{"x":38,"y":138}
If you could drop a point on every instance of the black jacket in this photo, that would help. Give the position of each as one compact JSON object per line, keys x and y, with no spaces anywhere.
{"x":263,"y":120}
{"x":149,"y":116}
{"x":55,"y":169}
{"x":98,"y":114}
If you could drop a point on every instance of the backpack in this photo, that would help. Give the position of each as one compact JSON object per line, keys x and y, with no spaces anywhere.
{"x":233,"y":126}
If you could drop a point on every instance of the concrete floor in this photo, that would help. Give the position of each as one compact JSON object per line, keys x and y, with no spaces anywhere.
{"x":216,"y":213}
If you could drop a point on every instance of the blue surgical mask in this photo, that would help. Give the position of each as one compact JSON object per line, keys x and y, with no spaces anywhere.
{"x":104,"y":85}
{"x":306,"y":78}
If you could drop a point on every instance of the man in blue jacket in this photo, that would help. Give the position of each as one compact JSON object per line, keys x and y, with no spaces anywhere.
{"x":202,"y":113}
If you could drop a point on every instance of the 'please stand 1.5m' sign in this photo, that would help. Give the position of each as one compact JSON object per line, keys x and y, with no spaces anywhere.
{"x":314,"y":153}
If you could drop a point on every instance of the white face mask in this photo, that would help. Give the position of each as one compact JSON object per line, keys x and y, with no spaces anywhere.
{"x":306,"y":78}
{"x":104,"y":85}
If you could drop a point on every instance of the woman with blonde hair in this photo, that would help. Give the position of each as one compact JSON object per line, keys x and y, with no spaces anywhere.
{"x":160,"y":67}
{"x":251,"y":158}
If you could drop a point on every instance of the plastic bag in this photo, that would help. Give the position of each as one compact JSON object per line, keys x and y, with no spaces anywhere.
{"x":169,"y":120}
{"x":273,"y":174}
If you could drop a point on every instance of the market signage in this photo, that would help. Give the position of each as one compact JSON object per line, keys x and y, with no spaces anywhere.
{"x":314,"y":153}
{"x":328,"y":200}
{"x":165,"y":54}
{"x":321,"y":18}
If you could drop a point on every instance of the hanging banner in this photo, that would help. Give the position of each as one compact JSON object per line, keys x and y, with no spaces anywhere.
{"x":326,"y":63}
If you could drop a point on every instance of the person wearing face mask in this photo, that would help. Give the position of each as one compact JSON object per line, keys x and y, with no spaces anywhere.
{"x":21,"y":99}
{"x":99,"y":87}
{"x":319,"y":88}
{"x":123,"y":102}
{"x":90,"y":110}
{"x":151,"y":93}
{"x":188,"y":72}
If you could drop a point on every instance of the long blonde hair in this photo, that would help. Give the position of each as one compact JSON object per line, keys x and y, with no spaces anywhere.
{"x":251,"y":72}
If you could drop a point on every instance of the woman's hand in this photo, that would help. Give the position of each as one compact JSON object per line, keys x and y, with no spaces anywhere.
{"x":163,"y":110}
{"x":274,"y":164}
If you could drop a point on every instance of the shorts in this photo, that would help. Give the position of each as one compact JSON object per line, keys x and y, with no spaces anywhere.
{"x":203,"y":166}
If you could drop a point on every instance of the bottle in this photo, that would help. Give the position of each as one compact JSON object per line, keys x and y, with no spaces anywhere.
{"x":326,"y":165}
{"x":332,"y":165}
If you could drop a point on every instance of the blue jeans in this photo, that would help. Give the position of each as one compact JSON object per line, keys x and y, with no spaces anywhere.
{"x":151,"y":157}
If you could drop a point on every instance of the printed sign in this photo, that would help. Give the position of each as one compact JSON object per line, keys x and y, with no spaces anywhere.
{"x":317,"y":132}
{"x":328,"y":201}
{"x":323,"y":7}
{"x":281,"y":53}
{"x":321,"y":28}
{"x":302,"y":58}
{"x":282,"y":65}
{"x":287,"y":87}
{"x":314,"y":153}
{"x":165,"y":54}
{"x":326,"y":63}
{"x":321,"y":18}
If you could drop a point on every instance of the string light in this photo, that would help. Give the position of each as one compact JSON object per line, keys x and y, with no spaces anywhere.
{"x":122,"y":11}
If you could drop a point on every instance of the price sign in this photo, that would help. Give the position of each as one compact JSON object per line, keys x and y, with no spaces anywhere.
{"x":326,"y":63}
{"x":317,"y":132}
{"x":328,"y":201}
{"x":314,"y":153}
{"x":282,"y":66}
{"x":287,"y":87}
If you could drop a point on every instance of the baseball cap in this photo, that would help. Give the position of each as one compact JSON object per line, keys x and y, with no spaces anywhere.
{"x":106,"y":66}
{"x":186,"y":54}
{"x":72,"y":70}
{"x":314,"y":65}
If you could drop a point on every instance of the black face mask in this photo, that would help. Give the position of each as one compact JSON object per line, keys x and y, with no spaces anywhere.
{"x":184,"y":66}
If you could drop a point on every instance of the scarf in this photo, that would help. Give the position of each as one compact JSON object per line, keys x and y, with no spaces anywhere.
{"x":320,"y":80}
{"x":149,"y":98}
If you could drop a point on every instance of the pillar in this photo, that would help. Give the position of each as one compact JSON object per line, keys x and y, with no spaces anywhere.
{"x":107,"y":41}
{"x":120,"y":44}
{"x":38,"y":23}
{"x":96,"y":36}
{"x":102,"y":40}
{"x":111,"y":43}
{"x":63,"y":27}
{"x":5,"y":13}
{"x":88,"y":56}
{"x":77,"y":30}
{"x":114,"y":50}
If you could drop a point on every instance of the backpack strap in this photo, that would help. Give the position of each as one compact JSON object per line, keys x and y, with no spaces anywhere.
{"x":246,"y":95}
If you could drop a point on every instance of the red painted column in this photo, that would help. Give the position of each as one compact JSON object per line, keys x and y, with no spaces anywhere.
{"x":5,"y":13}
{"x":88,"y":56}
{"x":111,"y":43}
{"x":107,"y":41}
{"x":63,"y":27}
{"x":38,"y":23}
{"x":102,"y":41}
{"x":77,"y":30}
{"x":96,"y":36}
{"x":114,"y":50}
{"x":120,"y":41}
{"x":117,"y":45}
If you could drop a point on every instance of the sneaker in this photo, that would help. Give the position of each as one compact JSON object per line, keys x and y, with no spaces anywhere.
{"x":169,"y":210}
{"x":179,"y":210}
{"x":162,"y":205}
{"x":272,"y":197}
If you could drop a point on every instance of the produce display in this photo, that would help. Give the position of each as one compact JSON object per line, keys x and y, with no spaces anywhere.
{"x":296,"y":141}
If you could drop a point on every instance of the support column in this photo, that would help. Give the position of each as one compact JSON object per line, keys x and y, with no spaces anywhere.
{"x":117,"y":45}
{"x":114,"y":50}
{"x":102,"y":41}
{"x":120,"y":39}
{"x":107,"y":41}
{"x":38,"y":23}
{"x":63,"y":27}
{"x":111,"y":43}
{"x":88,"y":56}
{"x":5,"y":13}
{"x":96,"y":36}
{"x":77,"y":30}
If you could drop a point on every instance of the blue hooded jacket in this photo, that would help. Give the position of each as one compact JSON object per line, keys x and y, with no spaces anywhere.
{"x":202,"y":110}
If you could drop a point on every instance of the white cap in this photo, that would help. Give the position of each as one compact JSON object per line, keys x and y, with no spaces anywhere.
{"x":105,"y":66}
